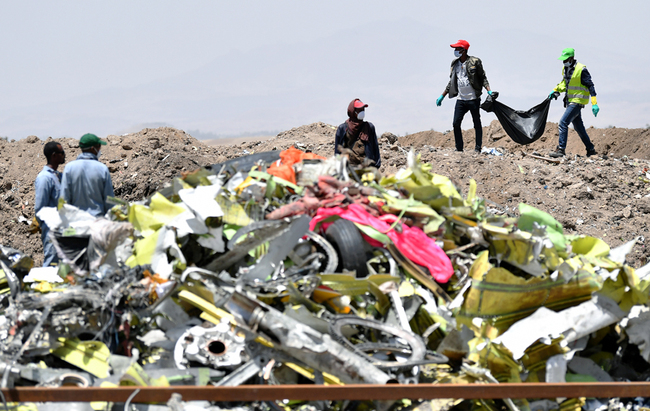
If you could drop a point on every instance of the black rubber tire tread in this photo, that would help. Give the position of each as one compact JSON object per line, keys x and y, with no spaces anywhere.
{"x":347,"y":240}
{"x":328,"y":249}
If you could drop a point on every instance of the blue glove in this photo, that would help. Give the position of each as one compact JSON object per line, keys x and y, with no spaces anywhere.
{"x":554,"y":95}
{"x":595,"y":109}
{"x":439,"y":100}
{"x":489,"y":92}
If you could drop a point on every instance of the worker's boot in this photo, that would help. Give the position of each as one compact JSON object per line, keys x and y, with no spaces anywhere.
{"x":559,"y":152}
{"x":591,"y":152}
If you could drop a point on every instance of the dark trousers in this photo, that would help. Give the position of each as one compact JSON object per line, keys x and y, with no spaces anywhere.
{"x":462,"y":107}
{"x":573,"y":115}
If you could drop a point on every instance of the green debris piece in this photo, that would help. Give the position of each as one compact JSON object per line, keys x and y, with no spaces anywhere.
{"x":233,"y":212}
{"x":502,"y":298}
{"x":198,"y":177}
{"x":349,"y":285}
{"x":590,"y":247}
{"x":373,"y":233}
{"x":204,"y":376}
{"x":266,"y":176}
{"x":69,"y":232}
{"x":418,"y":180}
{"x":570,"y":377}
{"x":271,"y":188}
{"x":90,"y":356}
{"x":182,"y":378}
{"x":554,"y":230}
{"x":434,"y":225}
{"x":143,"y":250}
{"x":626,"y":289}
{"x":136,"y":375}
{"x":411,"y":207}
{"x":229,"y":230}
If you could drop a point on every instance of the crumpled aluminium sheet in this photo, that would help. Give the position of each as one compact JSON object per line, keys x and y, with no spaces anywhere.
{"x":574,"y":323}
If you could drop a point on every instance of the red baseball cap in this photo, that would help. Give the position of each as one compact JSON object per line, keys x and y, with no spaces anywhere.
{"x":359,"y":104}
{"x":461,"y":43}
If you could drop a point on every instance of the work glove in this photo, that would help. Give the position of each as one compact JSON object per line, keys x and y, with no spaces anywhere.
{"x":489,"y":92}
{"x":439,"y":100}
{"x":554,"y":95}
{"x":595,"y":110}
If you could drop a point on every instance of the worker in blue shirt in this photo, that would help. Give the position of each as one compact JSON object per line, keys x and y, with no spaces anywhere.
{"x":48,"y":188}
{"x":87,"y":182}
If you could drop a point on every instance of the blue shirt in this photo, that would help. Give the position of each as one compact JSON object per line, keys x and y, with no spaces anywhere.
{"x":48,"y":189}
{"x":86,"y":184}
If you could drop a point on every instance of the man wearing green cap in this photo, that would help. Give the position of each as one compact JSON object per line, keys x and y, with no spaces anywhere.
{"x":579,"y":87}
{"x":86,"y":182}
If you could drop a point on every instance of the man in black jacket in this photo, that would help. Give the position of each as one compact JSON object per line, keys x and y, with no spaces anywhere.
{"x":357,"y":138}
{"x":467,"y":80}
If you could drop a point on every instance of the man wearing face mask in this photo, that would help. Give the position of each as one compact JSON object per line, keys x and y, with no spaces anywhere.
{"x":86,"y":182}
{"x":357,"y":138}
{"x":467,"y":80}
{"x":577,"y":84}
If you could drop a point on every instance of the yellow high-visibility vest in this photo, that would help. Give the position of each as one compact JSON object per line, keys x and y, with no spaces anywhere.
{"x":576,"y":92}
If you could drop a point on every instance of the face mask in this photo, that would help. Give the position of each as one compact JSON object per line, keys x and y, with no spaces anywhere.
{"x":458,"y":53}
{"x":567,"y":64}
{"x":99,"y":153}
{"x":361,"y":115}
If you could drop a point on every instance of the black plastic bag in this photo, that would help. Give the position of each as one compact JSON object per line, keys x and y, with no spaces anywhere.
{"x":523,"y":127}
{"x":72,"y":250}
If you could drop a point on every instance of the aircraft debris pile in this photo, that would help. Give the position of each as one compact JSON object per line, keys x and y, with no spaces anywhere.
{"x":289,"y":268}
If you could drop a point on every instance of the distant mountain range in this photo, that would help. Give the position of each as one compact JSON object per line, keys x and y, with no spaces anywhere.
{"x":399,"y":68}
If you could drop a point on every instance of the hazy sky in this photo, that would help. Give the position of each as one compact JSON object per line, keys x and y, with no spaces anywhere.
{"x":227,"y":67}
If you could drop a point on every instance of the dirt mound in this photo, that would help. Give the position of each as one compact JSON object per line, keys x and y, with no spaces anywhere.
{"x":140,"y":164}
{"x":606,"y":197}
{"x":615,"y":142}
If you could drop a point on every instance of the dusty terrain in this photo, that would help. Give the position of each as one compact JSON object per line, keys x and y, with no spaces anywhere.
{"x":605,"y":196}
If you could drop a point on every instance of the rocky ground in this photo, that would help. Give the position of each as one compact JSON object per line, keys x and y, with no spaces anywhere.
{"x":606,"y":196}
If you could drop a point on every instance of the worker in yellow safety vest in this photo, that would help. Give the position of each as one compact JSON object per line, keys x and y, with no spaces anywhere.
{"x":579,"y":88}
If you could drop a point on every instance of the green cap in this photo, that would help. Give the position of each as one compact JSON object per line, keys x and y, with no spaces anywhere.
{"x":90,"y":140}
{"x":566,"y":53}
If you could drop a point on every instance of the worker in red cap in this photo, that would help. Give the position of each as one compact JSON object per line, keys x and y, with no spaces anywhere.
{"x":357,"y":138}
{"x":467,"y":81}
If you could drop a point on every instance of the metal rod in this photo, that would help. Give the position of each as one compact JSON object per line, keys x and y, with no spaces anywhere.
{"x":331,"y":392}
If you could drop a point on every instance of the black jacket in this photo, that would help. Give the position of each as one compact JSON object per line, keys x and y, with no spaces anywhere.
{"x":475,"y":74}
{"x":372,"y":147}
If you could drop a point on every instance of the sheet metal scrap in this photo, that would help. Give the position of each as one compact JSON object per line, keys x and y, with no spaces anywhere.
{"x":229,"y":277}
{"x":317,"y":350}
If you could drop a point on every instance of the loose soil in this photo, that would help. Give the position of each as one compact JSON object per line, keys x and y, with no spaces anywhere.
{"x":605,"y":196}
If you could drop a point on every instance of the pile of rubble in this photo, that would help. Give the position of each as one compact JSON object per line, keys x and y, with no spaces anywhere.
{"x":285,"y":267}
